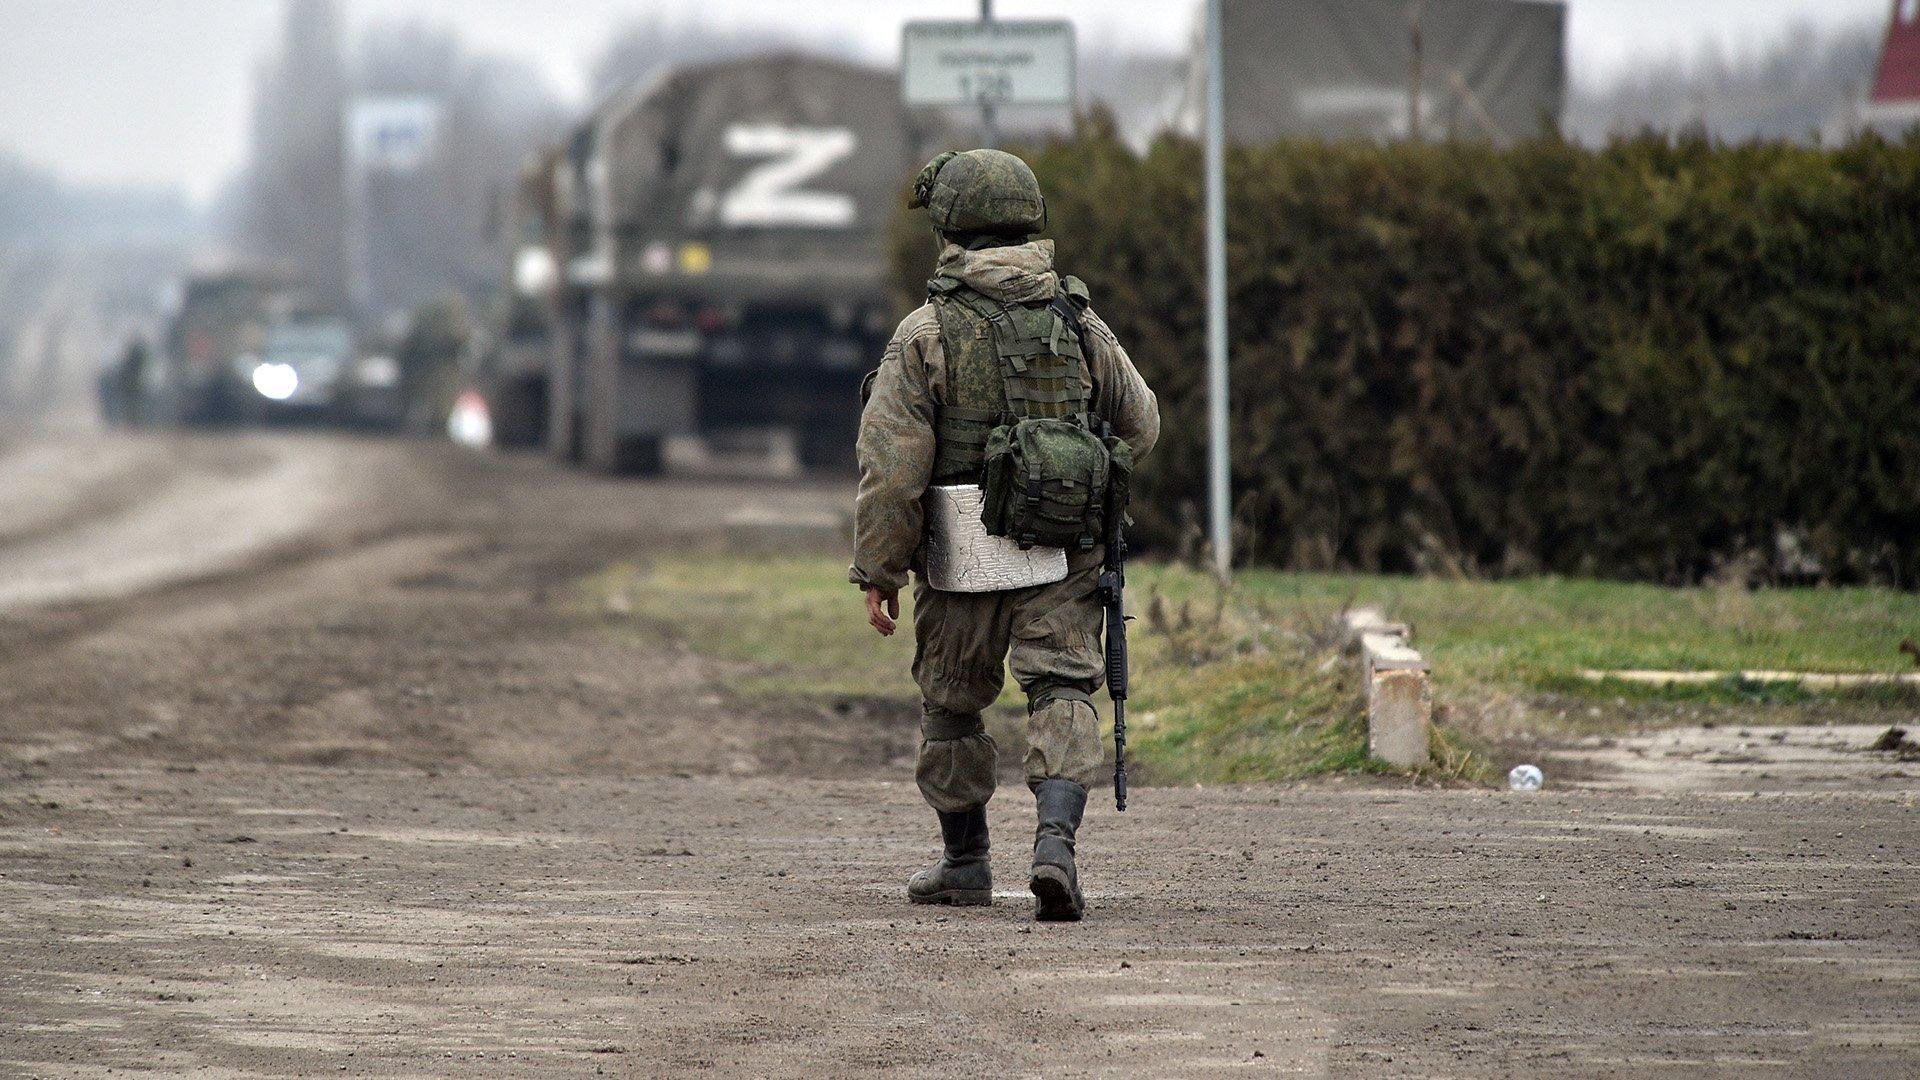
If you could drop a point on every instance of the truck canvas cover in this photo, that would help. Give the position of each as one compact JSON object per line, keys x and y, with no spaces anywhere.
{"x":769,"y":175}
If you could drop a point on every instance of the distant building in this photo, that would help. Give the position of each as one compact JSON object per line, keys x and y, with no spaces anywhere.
{"x":1387,"y":69}
{"x":1894,"y":104}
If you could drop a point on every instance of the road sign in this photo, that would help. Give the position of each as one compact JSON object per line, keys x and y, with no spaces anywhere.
{"x":392,"y":133}
{"x":996,"y":62}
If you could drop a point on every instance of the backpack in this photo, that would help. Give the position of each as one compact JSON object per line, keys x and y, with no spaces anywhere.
{"x":1051,"y":472}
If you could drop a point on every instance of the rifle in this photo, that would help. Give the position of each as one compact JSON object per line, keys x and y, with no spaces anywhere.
{"x":1111,"y":586}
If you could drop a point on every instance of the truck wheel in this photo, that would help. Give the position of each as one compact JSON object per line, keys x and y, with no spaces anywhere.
{"x":641,"y":455}
{"x":519,"y":412}
{"x":828,"y":450}
{"x":631,"y":455}
{"x":604,"y":449}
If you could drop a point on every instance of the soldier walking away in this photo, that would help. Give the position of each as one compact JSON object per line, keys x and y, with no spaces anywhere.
{"x":1007,"y":386}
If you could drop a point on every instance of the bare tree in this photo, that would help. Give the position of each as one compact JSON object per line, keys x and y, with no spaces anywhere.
{"x":292,"y":208}
{"x":644,"y":48}
{"x":430,"y":224}
{"x":1792,"y":89}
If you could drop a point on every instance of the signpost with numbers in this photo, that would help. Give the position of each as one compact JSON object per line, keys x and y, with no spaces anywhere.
{"x":989,"y":62}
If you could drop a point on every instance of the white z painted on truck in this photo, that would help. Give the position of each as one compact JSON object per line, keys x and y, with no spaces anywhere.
{"x":768,"y":194}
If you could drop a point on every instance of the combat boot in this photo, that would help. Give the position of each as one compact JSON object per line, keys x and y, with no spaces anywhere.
{"x":1056,"y":884}
{"x":963,"y":876}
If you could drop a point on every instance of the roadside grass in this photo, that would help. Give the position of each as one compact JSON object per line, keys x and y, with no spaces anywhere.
{"x":1542,"y":632}
{"x":1508,"y":655}
{"x":1224,"y":690}
{"x":1249,"y":684}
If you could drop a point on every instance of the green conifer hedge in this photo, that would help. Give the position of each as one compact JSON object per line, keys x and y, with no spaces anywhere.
{"x":1641,"y":361}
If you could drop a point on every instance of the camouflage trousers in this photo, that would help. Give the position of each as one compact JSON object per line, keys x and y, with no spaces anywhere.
{"x":963,"y":643}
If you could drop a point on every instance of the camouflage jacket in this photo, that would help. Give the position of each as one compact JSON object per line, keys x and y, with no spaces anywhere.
{"x":896,"y":427}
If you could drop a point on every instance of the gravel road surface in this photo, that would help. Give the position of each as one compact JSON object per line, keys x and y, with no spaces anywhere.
{"x":312,"y":762}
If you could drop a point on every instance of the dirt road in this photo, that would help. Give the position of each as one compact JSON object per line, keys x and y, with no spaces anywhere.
{"x":314,"y":763}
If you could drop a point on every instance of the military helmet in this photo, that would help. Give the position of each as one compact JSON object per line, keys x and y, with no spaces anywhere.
{"x":980,"y":191}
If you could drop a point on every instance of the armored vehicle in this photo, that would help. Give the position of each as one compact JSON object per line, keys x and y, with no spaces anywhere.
{"x":719,"y":240}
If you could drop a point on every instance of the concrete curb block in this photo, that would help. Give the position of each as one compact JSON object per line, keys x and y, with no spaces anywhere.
{"x":1399,"y":687}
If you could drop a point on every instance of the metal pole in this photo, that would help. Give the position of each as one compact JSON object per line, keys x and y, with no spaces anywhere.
{"x":1219,"y":487}
{"x":1416,"y":66}
{"x":988,"y":130}
{"x":356,"y":241}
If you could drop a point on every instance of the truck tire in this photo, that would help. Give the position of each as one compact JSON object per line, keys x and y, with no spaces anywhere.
{"x":640,"y":455}
{"x":519,"y":412}
{"x":828,"y":448}
{"x":603,"y":447}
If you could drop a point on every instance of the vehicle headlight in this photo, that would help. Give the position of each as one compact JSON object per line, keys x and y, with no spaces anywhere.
{"x":276,"y":382}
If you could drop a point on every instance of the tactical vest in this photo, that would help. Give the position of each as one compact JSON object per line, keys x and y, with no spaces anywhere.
{"x":1004,"y":362}
{"x":1018,"y":418}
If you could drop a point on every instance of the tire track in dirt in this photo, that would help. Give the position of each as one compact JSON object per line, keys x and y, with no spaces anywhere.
{"x":425,"y":617}
{"x":142,"y":523}
{"x":294,"y":921}
{"x":386,"y":798}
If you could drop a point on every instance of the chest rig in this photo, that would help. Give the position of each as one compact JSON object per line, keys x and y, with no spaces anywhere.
{"x":1005,"y":363}
{"x":1018,"y":418}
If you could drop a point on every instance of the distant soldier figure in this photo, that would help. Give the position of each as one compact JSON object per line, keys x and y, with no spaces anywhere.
{"x":1006,"y":380}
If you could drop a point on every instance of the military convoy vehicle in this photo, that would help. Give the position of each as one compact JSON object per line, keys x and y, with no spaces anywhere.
{"x":244,"y":347}
{"x":217,"y":321}
{"x":715,"y":240}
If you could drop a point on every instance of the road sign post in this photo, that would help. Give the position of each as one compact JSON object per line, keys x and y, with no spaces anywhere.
{"x":1219,"y":485}
{"x":989,"y":129}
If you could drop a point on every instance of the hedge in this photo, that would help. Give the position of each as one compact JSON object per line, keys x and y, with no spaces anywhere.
{"x":1654,"y":360}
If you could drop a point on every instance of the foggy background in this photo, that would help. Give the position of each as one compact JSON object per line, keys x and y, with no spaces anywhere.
{"x":173,"y":126}
{"x":117,"y":115}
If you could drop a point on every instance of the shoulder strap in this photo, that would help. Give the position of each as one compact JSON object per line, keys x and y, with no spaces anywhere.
{"x":963,"y":422}
{"x":1040,"y":346}
{"x":1070,"y":303}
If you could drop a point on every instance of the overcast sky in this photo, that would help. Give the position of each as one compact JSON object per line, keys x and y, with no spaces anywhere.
{"x":157,"y":91}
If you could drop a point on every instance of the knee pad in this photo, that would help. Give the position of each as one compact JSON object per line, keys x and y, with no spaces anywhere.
{"x":1043,"y":696}
{"x":942,"y":725}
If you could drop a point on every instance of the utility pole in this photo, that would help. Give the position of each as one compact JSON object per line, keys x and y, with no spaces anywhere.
{"x":988,"y":131}
{"x":1416,"y":66}
{"x":1219,"y":487}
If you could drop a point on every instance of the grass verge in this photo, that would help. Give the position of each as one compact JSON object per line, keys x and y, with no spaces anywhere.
{"x":1249,"y":685}
{"x":1226,"y":688}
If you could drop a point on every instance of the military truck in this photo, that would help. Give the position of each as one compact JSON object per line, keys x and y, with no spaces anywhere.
{"x":719,"y":239}
{"x":245,"y":347}
{"x":216,"y":322}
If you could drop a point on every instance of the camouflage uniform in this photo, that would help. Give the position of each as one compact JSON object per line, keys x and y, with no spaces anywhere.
{"x":1049,"y":633}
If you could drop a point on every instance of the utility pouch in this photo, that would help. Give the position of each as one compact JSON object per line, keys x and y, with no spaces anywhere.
{"x":1048,"y":483}
{"x":1044,"y":461}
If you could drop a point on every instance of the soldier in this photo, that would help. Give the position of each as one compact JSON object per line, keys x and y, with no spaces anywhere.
{"x":1002,"y":337}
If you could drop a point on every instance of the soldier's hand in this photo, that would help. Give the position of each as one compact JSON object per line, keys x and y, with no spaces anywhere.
{"x":883,"y":607}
